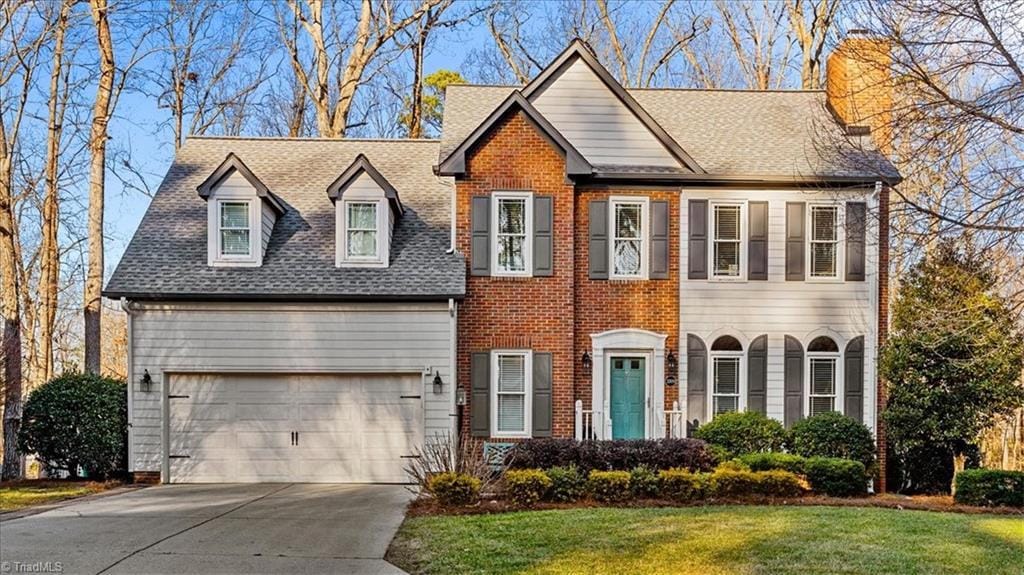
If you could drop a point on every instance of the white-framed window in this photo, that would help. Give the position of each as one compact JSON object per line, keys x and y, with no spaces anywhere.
{"x":728,"y":245}
{"x":511,"y":393}
{"x":728,"y":376}
{"x":824,"y":250}
{"x":629,"y":241}
{"x":824,"y":378}
{"x":235,"y":230}
{"x":512,"y":222}
{"x":362,"y":230}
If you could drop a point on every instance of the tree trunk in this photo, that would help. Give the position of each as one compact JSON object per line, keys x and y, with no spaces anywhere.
{"x":416,"y":105}
{"x":98,"y":148}
{"x":959,"y":462}
{"x":11,"y":311}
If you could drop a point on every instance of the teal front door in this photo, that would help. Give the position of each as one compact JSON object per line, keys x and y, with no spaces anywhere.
{"x":627,"y":389}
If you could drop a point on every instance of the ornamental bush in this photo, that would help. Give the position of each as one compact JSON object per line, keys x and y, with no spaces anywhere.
{"x":833,"y":435}
{"x":614,"y":455}
{"x":772,"y":461}
{"x":836,"y":477}
{"x":609,"y":486}
{"x":990,"y":487}
{"x":452,"y":488}
{"x":526,"y":486}
{"x":643,"y":482}
{"x":731,"y":483}
{"x":683,"y":485}
{"x":779,"y":483}
{"x":743,"y":432}
{"x":567,"y":484}
{"x":78,"y":421}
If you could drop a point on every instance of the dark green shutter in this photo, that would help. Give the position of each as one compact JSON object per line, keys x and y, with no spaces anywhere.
{"x":698,"y":240}
{"x":853,"y":379}
{"x":795,"y":240}
{"x":696,"y":380}
{"x":659,"y":240}
{"x":480,"y":236}
{"x":480,"y":398}
{"x":793,"y":376}
{"x":542,"y":409}
{"x":543,"y":227}
{"x":757,"y":243}
{"x":856,"y":234}
{"x":757,"y":375}
{"x":598,"y":250}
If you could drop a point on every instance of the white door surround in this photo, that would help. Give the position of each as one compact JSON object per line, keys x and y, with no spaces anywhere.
{"x":629,"y":342}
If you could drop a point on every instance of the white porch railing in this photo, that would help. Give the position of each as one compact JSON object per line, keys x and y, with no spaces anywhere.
{"x":675,"y":422}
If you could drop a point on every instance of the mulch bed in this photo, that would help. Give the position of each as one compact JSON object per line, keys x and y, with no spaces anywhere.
{"x":425,"y":506}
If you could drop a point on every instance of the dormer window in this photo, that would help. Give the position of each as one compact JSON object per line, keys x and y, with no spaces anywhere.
{"x":367,"y":207}
{"x":235,"y":229}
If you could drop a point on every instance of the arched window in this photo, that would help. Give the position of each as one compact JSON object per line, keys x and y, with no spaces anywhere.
{"x":727,"y":375}
{"x":823,"y":376}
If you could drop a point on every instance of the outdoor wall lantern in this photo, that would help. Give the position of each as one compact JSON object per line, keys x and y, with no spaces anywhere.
{"x":146,"y":381}
{"x":438,"y":383}
{"x":587,"y":363}
{"x":672,"y":363}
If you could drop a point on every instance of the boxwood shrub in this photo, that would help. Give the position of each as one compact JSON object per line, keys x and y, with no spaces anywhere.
{"x":990,"y":487}
{"x":643,"y":482}
{"x":567,"y":484}
{"x":452,"y":488}
{"x":609,"y":486}
{"x":526,"y":486}
{"x":683,"y":485}
{"x":743,"y":432}
{"x":833,"y":435}
{"x":779,"y":483}
{"x":771,"y":461}
{"x":836,"y":477}
{"x":613,"y":455}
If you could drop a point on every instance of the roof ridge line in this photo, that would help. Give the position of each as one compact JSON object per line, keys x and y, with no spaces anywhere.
{"x":315,"y":139}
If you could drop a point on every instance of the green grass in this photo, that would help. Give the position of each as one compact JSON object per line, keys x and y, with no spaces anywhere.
{"x":710,"y":540}
{"x":17,"y":495}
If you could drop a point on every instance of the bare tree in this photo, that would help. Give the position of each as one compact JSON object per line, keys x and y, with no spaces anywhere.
{"x":811,"y":36}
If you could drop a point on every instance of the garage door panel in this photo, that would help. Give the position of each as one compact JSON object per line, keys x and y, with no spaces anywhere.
{"x":263,"y":439}
{"x":339,"y":414}
{"x":213,"y":439}
{"x":262,"y":412}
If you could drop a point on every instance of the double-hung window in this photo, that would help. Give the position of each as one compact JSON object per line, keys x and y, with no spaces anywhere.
{"x":823,"y":376}
{"x":361,"y":231}
{"x":824,"y":241}
{"x":511,"y":400}
{"x":629,"y":239}
{"x":727,"y":245}
{"x":513,"y":223}
{"x":727,"y":381}
{"x":234,"y":234}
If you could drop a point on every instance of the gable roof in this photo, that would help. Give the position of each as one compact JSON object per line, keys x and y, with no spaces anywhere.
{"x":734,"y":135}
{"x":230,"y":165}
{"x":455,"y":161}
{"x":362,"y":165}
{"x":167,"y":257}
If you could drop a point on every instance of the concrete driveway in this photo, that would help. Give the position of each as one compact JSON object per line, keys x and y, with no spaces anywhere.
{"x":258,"y":528}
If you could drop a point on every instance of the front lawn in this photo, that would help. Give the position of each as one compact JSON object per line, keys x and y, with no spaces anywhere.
{"x":16,"y":495}
{"x":707,"y":540}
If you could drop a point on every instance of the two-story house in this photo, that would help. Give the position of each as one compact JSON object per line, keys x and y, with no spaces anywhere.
{"x":571,"y":259}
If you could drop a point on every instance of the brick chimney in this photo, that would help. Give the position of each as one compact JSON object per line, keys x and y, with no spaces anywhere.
{"x":859,"y":87}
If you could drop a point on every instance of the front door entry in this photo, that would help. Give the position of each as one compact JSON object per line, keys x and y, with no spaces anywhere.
{"x":627,"y":401}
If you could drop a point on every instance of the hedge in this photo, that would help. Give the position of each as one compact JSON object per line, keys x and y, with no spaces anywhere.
{"x":613,"y":455}
{"x":567,"y":484}
{"x":454,"y":488}
{"x":771,"y":461}
{"x":743,"y":432}
{"x":990,"y":487}
{"x":833,"y":435}
{"x":527,"y":486}
{"x":609,"y":486}
{"x":836,"y":477}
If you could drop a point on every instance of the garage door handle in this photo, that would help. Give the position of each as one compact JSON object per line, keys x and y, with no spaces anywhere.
{"x":179,"y":457}
{"x":410,"y":397}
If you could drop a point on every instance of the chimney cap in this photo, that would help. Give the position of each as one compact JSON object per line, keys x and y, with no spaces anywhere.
{"x":859,"y":32}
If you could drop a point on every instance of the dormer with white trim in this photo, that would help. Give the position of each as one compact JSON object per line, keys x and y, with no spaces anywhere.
{"x":241,"y":213}
{"x":367,"y":207}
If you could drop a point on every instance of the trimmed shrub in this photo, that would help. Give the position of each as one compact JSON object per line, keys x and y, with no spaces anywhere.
{"x":779,"y":483}
{"x":78,"y":420}
{"x":720,"y":454}
{"x":684,"y":486}
{"x":526,"y":486}
{"x":733,"y":465}
{"x":643,"y":482}
{"x":615,"y":455}
{"x":990,"y":487}
{"x":833,"y":435}
{"x":454,"y":488}
{"x":771,"y":461}
{"x":743,"y":432}
{"x":733,"y":483}
{"x":567,"y":484}
{"x":609,"y":486}
{"x":836,"y":477}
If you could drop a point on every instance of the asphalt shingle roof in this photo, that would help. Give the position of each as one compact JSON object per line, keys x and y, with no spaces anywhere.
{"x":167,"y":257}
{"x":728,"y":132}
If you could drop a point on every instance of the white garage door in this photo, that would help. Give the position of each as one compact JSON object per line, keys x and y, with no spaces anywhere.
{"x":303,"y":428}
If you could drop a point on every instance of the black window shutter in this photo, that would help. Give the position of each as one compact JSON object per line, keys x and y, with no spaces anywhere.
{"x":480,"y":236}
{"x":543,"y":227}
{"x":856,"y":233}
{"x":480,"y":398}
{"x":542,"y":408}
{"x":598,"y":250}
{"x":793,"y":376}
{"x":696,"y":380}
{"x":659,"y":240}
{"x":795,"y":240}
{"x":853,"y":379}
{"x":757,"y":241}
{"x":757,"y":375}
{"x":698,"y":239}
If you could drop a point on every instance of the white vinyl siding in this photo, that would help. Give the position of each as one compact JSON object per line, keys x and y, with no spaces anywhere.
{"x":776,"y":307}
{"x":268,"y":219}
{"x":511,"y":393}
{"x":728,"y":245}
{"x":629,"y":230}
{"x":287,"y":338}
{"x":824,"y":241}
{"x":512,"y":232}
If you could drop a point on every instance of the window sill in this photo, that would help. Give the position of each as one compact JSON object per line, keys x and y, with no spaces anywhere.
{"x":511,"y":278}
